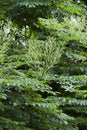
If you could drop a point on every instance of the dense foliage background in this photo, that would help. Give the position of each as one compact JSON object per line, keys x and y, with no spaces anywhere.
{"x":43,"y":65}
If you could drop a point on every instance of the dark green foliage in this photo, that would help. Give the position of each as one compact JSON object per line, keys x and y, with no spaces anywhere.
{"x":43,"y":65}
{"x":72,"y":70}
{"x":27,"y":12}
{"x":26,"y":99}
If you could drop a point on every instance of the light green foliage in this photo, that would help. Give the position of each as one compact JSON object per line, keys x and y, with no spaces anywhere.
{"x":45,"y":54}
{"x":26,"y":98}
{"x":73,"y":65}
{"x":43,"y":77}
{"x":71,"y":7}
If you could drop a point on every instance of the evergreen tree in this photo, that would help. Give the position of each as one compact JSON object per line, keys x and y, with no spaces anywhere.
{"x":71,"y":71}
{"x":43,"y":77}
